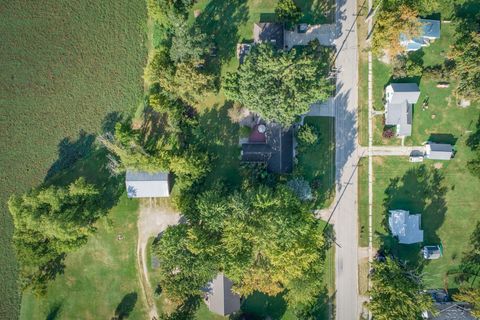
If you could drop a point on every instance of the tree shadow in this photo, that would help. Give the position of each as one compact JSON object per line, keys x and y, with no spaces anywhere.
{"x":260,"y":306}
{"x":126,"y":306}
{"x":54,"y":311}
{"x":317,"y":11}
{"x":185,"y":311}
{"x":446,"y":138}
{"x":217,"y":135}
{"x":473,"y":141}
{"x":420,"y":190}
{"x":84,"y":158}
{"x":221,"y":20}
{"x":70,"y":151}
{"x":319,"y":310}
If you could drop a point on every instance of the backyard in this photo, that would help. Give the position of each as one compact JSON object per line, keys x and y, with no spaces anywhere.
{"x":100,"y":279}
{"x":60,"y":75}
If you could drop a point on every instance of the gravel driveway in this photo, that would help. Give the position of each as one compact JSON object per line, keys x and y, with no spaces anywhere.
{"x":152,"y":220}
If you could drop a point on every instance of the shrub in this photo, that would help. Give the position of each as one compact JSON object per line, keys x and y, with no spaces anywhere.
{"x":307,"y":135}
{"x":388,"y":132}
{"x":301,"y":188}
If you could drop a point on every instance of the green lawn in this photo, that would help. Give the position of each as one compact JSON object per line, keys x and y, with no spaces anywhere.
{"x":65,"y":66}
{"x":317,"y":163}
{"x":445,"y":197}
{"x":363,"y":202}
{"x":98,"y":277}
{"x":442,"y":116}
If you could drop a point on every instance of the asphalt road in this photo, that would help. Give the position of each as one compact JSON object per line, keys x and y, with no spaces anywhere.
{"x":348,"y":305}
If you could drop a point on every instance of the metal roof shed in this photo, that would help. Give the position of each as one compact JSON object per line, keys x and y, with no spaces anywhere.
{"x":147,"y":185}
{"x":438,"y":151}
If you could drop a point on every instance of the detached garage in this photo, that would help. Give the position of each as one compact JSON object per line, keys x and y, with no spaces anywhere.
{"x":147,"y":185}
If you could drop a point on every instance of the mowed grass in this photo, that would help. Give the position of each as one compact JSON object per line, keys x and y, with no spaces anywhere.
{"x":317,"y":163}
{"x":98,"y":276}
{"x":442,"y":115}
{"x":65,"y":66}
{"x":448,"y":206}
{"x":363,"y":202}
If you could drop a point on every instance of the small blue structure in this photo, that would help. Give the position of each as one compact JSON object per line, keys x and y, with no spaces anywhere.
{"x":430,"y":31}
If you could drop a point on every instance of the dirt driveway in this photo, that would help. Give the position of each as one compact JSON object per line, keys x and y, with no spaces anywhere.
{"x":153,"y":218}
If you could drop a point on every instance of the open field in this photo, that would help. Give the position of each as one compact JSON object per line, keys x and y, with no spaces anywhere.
{"x":65,"y":66}
{"x":99,"y":278}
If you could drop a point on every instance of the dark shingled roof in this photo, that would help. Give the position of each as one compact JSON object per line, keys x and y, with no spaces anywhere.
{"x":268,"y":32}
{"x":277,"y":152}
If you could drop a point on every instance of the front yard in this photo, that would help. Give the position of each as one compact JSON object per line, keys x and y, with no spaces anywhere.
{"x":317,"y":163}
{"x":442,"y":116}
{"x":446,"y":198}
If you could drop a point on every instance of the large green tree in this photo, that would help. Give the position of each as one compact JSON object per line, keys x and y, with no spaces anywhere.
{"x":188,"y":43}
{"x":128,"y":146}
{"x":186,"y":81}
{"x":264,"y":240}
{"x":49,"y":223}
{"x":397,"y":292}
{"x":466,"y":53}
{"x":280,"y":85}
{"x":288,"y":12}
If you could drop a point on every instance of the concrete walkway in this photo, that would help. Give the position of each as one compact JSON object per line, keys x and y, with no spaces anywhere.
{"x":325,"y":109}
{"x":406,"y":151}
{"x":324,"y":33}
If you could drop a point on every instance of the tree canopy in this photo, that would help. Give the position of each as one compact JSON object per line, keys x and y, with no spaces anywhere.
{"x":390,"y":23}
{"x":49,"y":223}
{"x":188,"y":43}
{"x":471,"y":296}
{"x":280,"y":85}
{"x":262,"y":239}
{"x":396,"y":292}
{"x":466,"y":54}
{"x":288,"y":12}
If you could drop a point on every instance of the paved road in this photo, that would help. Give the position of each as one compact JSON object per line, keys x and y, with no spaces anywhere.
{"x":347,"y":156}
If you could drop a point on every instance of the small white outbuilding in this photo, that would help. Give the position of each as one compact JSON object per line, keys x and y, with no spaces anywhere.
{"x":147,"y":185}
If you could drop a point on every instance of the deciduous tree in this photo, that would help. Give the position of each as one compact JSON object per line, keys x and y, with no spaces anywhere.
{"x":288,"y":12}
{"x":471,"y":296}
{"x":49,"y":223}
{"x":188,"y":43}
{"x":280,"y":85}
{"x":466,"y":53}
{"x":390,"y":24}
{"x":397,"y":292}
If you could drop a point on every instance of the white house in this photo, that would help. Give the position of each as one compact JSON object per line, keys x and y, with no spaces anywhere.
{"x":400,"y":98}
{"x":147,"y":185}
{"x":405,"y":226}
